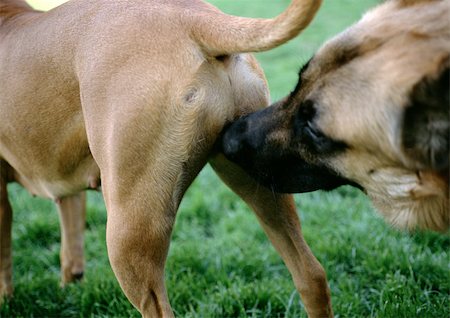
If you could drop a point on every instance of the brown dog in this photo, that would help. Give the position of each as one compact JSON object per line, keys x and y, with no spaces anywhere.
{"x":137,"y":92}
{"x":371,"y":108}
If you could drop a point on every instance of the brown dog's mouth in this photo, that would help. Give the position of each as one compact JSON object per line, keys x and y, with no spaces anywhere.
{"x":293,"y":175}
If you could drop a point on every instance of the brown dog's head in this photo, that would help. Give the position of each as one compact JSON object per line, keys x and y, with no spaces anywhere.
{"x":371,"y":108}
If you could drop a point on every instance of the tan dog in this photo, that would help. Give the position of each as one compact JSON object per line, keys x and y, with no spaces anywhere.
{"x":137,"y":92}
{"x":371,"y":109}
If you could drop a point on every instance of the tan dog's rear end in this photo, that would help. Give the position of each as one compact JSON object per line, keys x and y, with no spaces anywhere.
{"x":136,"y":92}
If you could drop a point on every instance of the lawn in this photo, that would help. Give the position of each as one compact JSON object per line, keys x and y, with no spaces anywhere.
{"x":220,"y":262}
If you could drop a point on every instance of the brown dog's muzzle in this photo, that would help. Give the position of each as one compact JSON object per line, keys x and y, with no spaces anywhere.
{"x":260,"y":144}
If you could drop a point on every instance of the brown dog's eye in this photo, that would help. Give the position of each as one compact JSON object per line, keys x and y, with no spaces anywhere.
{"x":304,"y":117}
{"x":311,"y":131}
{"x":309,"y":135}
{"x":304,"y":128}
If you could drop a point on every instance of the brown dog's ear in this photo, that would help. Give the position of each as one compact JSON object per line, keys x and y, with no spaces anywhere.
{"x":425,"y":131}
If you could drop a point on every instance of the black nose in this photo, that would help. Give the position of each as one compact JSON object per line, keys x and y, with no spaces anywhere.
{"x":234,"y":139}
{"x":238,"y":142}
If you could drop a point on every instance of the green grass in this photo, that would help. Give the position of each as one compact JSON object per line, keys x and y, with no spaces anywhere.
{"x":220,"y":263}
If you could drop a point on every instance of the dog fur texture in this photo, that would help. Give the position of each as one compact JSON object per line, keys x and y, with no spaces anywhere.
{"x":371,"y":109}
{"x":135,"y":93}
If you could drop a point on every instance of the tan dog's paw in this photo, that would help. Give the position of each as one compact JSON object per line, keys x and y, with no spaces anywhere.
{"x":71,"y":274}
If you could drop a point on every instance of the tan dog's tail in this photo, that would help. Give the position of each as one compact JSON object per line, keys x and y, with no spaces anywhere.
{"x":221,"y":34}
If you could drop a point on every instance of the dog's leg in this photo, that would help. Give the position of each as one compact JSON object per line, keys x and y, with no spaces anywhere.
{"x":141,"y":205}
{"x":278,"y":217}
{"x":6,"y":287}
{"x":72,"y":215}
{"x":138,"y":236}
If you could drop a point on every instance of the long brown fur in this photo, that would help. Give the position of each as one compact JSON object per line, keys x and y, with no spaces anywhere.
{"x":371,"y":109}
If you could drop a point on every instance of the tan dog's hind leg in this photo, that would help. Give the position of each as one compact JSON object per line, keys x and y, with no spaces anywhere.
{"x":138,"y":236}
{"x":278,"y":217}
{"x":6,"y":287}
{"x":140,"y":197}
{"x":72,"y":216}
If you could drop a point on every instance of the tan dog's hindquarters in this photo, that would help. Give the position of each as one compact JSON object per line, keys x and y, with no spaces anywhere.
{"x":137,"y":92}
